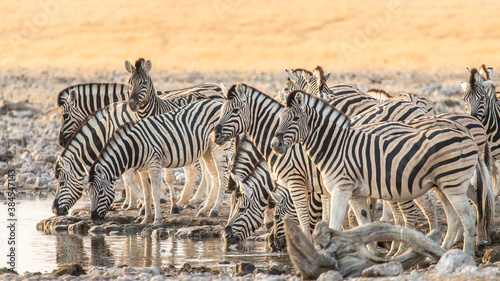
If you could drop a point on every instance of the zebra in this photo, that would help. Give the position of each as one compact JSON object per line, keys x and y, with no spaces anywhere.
{"x":77,"y":102}
{"x":440,"y":157}
{"x":367,"y":112}
{"x":251,"y":174}
{"x":82,"y":150}
{"x":482,"y":103}
{"x":419,"y":100}
{"x":145,"y":101}
{"x":250,"y":110}
{"x":174,"y":139}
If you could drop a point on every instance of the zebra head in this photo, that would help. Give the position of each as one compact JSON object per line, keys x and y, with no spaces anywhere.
{"x":293,"y":127}
{"x":304,"y":80}
{"x":234,"y":116}
{"x":71,"y":117}
{"x":140,"y":83}
{"x":247,"y":214}
{"x":101,"y":193}
{"x":69,"y":189}
{"x":475,"y":94}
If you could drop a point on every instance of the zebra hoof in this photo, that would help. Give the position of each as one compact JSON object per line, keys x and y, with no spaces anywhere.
{"x":125,"y":206}
{"x":201,"y":214}
{"x":175,"y":210}
{"x":142,"y":212}
{"x":213,"y":214}
{"x":163,"y":201}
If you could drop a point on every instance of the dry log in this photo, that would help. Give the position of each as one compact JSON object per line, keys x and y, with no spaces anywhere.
{"x":346,"y":252}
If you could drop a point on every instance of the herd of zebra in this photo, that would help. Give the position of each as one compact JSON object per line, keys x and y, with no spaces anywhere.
{"x":313,"y":152}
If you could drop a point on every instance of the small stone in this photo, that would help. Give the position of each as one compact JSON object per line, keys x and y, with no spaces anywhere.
{"x":97,"y":230}
{"x":74,"y":269}
{"x":131,"y":230}
{"x":452,"y":260}
{"x":244,"y":268}
{"x":113,"y":228}
{"x":389,"y":269}
{"x":61,"y":228}
{"x":331,"y":275}
{"x":276,"y":269}
{"x":80,"y":227}
{"x":159,"y":234}
{"x":116,"y":233}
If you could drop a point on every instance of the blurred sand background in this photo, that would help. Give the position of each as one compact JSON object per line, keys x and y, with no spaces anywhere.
{"x":425,"y":35}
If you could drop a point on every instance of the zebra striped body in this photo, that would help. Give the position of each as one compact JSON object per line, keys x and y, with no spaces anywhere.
{"x":170,"y":140}
{"x":393,"y":168}
{"x":77,"y":102}
{"x":81,"y":151}
{"x":143,"y":99}
{"x":252,"y":172}
{"x":419,"y":100}
{"x":482,"y":103}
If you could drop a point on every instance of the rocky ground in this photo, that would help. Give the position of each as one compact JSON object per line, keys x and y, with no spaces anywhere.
{"x":28,"y":145}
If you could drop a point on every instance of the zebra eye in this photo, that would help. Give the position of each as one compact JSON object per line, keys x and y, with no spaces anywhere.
{"x":236,"y":110}
{"x":296,"y":118}
{"x":65,"y":115}
{"x":277,"y":217}
{"x":242,"y":209}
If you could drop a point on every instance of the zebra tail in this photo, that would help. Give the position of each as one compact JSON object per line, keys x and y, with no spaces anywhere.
{"x":486,"y":199}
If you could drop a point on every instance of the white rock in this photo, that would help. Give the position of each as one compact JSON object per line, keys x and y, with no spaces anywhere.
{"x":452,"y":260}
{"x":331,"y":275}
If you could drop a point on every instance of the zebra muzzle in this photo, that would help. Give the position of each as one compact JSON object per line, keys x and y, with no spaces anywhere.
{"x":278,"y":145}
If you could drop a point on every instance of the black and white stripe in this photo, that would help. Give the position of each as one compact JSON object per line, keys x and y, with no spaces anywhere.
{"x":175,"y":139}
{"x":392,"y":168}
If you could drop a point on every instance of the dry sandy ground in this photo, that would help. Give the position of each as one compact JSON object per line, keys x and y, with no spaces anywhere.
{"x":251,"y":35}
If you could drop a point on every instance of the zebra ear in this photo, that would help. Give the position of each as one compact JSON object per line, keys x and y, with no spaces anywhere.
{"x":63,"y":164}
{"x":147,"y":65}
{"x":299,"y":99}
{"x":306,"y":77}
{"x":490,"y":72}
{"x":291,"y":75}
{"x":98,"y":170}
{"x":72,"y":97}
{"x":129,"y":67}
{"x":240,"y":91}
{"x":468,"y":70}
{"x":247,"y":190}
{"x":278,"y":198}
{"x":326,"y":77}
{"x":487,"y":84}
{"x":464,"y":86}
{"x":224,"y":89}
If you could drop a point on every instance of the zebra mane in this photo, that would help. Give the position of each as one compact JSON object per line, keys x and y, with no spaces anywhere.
{"x":340,"y":121}
{"x":62,"y":97}
{"x":88,"y":118}
{"x":117,"y":134}
{"x":138,"y":65}
{"x":231,"y":93}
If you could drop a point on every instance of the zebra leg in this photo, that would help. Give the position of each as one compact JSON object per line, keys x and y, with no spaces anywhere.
{"x":425,"y":204}
{"x":220,"y":156}
{"x":191,"y":173}
{"x":212,"y":169}
{"x":146,"y":186}
{"x":169,"y":180}
{"x":339,"y":201}
{"x":386,"y":211}
{"x":269,"y":217}
{"x":410,"y":216}
{"x":359,"y":206}
{"x":203,"y":187}
{"x":156,"y":183}
{"x":325,"y":200}
{"x":300,"y":200}
{"x":496,"y":191}
{"x":452,"y":220}
{"x":466,"y":213}
{"x":130,"y":179}
{"x":372,"y":202}
{"x":399,"y":221}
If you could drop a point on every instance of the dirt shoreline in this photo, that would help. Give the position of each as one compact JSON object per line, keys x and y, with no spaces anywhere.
{"x":28,"y":143}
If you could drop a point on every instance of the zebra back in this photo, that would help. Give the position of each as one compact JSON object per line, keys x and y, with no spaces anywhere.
{"x":79,"y":101}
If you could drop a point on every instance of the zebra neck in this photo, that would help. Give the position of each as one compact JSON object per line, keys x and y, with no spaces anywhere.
{"x":263,"y":122}
{"x":326,"y":138}
{"x":491,"y":115}
{"x":153,"y":106}
{"x":78,"y":168}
